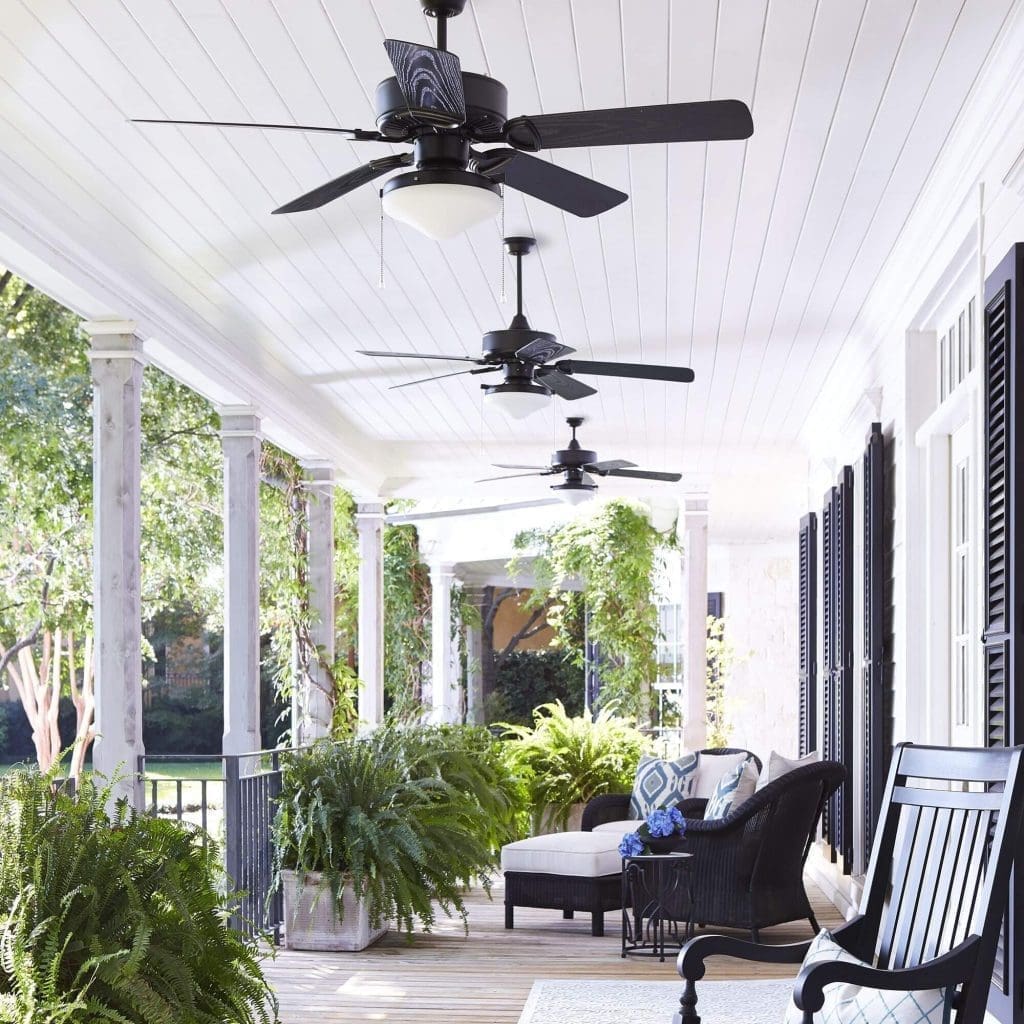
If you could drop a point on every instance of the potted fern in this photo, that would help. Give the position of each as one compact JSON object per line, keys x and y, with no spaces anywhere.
{"x":570,"y":760}
{"x":382,"y":828}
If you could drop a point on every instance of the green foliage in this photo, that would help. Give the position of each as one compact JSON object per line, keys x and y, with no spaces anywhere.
{"x":612,"y":549}
{"x":722,"y":657}
{"x":525,"y":679}
{"x":571,"y":760}
{"x":114,"y":919}
{"x":409,"y":817}
{"x":406,"y":619}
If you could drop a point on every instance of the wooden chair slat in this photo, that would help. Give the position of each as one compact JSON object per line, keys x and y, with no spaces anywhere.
{"x":944,"y":798}
{"x":956,"y":764}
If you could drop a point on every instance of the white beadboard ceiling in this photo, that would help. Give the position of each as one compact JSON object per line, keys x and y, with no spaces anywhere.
{"x":750,"y":261}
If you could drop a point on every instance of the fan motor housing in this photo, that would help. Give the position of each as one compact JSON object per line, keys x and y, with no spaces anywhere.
{"x":571,"y":458}
{"x":510,"y":340}
{"x":486,"y":109}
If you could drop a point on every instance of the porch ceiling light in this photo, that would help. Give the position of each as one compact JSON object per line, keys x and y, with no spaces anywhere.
{"x":441,"y":203}
{"x":574,"y":493}
{"x":517,"y":398}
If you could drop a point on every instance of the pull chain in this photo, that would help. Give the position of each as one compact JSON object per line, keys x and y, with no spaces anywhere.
{"x":501,"y":193}
{"x":380,"y":279}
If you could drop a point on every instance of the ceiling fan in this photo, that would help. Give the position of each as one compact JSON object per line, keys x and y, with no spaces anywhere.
{"x":533,"y":361}
{"x":442,"y":111}
{"x":578,"y":467}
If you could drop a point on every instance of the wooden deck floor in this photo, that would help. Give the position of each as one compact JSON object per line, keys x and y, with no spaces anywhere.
{"x":447,"y":978}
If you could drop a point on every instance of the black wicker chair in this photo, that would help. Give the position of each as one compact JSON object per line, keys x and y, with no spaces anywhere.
{"x":748,"y":866}
{"x":615,"y":806}
{"x":932,"y":908}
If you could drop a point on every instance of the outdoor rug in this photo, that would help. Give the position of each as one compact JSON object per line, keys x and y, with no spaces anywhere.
{"x":654,"y":1002}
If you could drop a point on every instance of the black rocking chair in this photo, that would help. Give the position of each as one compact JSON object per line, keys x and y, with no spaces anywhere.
{"x":935,"y":892}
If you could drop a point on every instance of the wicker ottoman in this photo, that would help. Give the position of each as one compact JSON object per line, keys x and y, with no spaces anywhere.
{"x":565,"y":871}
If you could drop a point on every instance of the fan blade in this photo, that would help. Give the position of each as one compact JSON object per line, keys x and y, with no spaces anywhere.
{"x":516,"y":465}
{"x":511,"y":506}
{"x":631,"y":126}
{"x":414,"y":355}
{"x":507,"y":476}
{"x":441,"y":376}
{"x":642,"y":371}
{"x":643,"y":474}
{"x":431,"y":82}
{"x":540,"y":350}
{"x":563,"y":386}
{"x":609,"y":464}
{"x":356,"y":134}
{"x":346,"y":183}
{"x":556,"y":185}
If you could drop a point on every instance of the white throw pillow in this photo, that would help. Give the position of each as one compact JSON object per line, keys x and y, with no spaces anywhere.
{"x":711,"y":769}
{"x":851,"y":1004}
{"x":778,"y":765}
{"x":661,"y":783}
{"x":734,"y":788}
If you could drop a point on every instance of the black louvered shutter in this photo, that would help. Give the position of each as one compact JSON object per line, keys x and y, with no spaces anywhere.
{"x":807,"y":634}
{"x":1003,"y":611}
{"x":873,"y":678}
{"x":837,"y":679}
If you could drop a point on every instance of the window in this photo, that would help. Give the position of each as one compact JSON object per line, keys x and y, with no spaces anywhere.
{"x":963,"y":718}
{"x":956,"y":351}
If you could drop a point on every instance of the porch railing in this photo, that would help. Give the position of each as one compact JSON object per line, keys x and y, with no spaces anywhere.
{"x":236,"y":810}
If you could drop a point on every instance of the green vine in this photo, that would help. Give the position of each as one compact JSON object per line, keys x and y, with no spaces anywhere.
{"x":612,"y":552}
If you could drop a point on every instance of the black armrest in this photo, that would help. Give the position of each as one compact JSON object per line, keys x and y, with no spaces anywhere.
{"x":692,"y":808}
{"x":952,"y":968}
{"x":690,"y":962}
{"x":601,"y":809}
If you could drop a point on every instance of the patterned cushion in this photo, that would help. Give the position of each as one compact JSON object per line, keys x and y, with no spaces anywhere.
{"x":661,"y":783}
{"x":851,"y":1004}
{"x":778,"y":765}
{"x":734,"y":788}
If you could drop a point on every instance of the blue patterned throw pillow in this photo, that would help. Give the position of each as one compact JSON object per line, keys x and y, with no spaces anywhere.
{"x":735,"y":787}
{"x":851,"y":1004}
{"x":661,"y":783}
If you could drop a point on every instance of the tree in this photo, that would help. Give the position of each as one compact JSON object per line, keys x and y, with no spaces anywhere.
{"x":536,"y":622}
{"x":46,"y":647}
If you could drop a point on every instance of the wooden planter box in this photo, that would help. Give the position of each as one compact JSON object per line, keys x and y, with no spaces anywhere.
{"x":311,"y":919}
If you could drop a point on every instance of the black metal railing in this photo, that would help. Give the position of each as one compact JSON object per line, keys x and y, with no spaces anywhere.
{"x":236,"y":810}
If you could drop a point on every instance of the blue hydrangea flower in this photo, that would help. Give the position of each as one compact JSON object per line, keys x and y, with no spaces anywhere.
{"x":677,"y":819}
{"x":660,"y":823}
{"x":631,"y":846}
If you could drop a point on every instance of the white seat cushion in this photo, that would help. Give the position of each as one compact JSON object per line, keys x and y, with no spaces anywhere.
{"x":620,"y":828}
{"x":710,"y":769}
{"x":851,"y":1004}
{"x":583,"y":854}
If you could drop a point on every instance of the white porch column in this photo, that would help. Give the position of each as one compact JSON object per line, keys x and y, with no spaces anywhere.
{"x":370,"y":524}
{"x":240,"y":441}
{"x":695,"y":602}
{"x":314,"y":707}
{"x":117,"y":362}
{"x":474,"y":662}
{"x":444,"y":684}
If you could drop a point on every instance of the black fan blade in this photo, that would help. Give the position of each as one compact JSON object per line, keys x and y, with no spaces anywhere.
{"x":631,"y":126}
{"x":516,"y":465}
{"x":414,"y":355}
{"x":431,"y":82}
{"x":346,"y":183}
{"x":608,"y":465}
{"x":356,"y":134}
{"x":507,"y":476}
{"x":643,"y":474}
{"x":540,"y":350}
{"x":441,"y":376}
{"x":642,"y":371}
{"x":556,"y":185}
{"x":563,"y":386}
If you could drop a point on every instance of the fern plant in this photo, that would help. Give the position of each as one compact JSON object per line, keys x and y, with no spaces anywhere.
{"x":114,"y":918}
{"x":408,"y":818}
{"x":571,"y":760}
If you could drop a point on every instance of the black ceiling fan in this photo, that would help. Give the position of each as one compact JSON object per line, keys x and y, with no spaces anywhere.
{"x":578,"y":467}
{"x":533,"y":361}
{"x":443,"y":111}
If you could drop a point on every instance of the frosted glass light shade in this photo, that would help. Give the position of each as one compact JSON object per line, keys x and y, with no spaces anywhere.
{"x":441,"y":209}
{"x":517,"y":404}
{"x":575,"y":495}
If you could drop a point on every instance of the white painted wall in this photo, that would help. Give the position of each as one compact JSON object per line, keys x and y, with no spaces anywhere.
{"x":759,"y":583}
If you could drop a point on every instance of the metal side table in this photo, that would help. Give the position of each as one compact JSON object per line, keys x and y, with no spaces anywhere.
{"x":657,"y":897}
